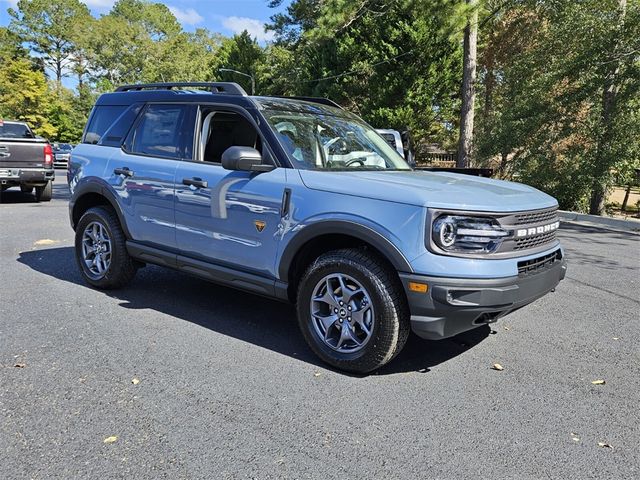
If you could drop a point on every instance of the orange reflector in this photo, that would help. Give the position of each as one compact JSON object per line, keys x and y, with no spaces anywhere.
{"x":418,"y":287}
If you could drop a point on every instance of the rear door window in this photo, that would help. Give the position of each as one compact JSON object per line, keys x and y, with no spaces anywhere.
{"x":102,"y":118}
{"x":164,"y":130}
{"x":14,"y":130}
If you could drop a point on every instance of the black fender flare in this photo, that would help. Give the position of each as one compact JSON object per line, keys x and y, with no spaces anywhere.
{"x":96,"y":187}
{"x":342,"y":227}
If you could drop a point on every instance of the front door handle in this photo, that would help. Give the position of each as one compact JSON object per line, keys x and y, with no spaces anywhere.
{"x":195,"y":182}
{"x":123,"y":171}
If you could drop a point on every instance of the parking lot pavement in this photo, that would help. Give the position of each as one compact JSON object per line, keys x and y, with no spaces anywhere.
{"x":227,"y":388}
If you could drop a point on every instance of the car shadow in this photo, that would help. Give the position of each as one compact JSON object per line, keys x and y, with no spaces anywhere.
{"x":13,"y":195}
{"x":263,"y":322}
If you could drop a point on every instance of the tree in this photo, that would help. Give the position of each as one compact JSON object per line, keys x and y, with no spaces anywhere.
{"x":241,"y":53}
{"x":610,"y":90}
{"x":23,"y":95}
{"x":395,"y":63}
{"x":551,"y":66}
{"x":465,"y":144}
{"x":49,"y":28}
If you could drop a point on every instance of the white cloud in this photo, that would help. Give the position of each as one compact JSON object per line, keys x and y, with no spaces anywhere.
{"x":253,"y":26}
{"x":188,"y":16}
{"x":99,"y":4}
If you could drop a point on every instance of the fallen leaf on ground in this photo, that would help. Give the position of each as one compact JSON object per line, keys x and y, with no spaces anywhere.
{"x":46,"y":241}
{"x":615,"y":338}
{"x":605,"y":445}
{"x":598,"y":382}
{"x":110,"y":439}
{"x":317,"y":374}
{"x":497,"y":366}
{"x":506,"y":328}
{"x":19,"y":365}
{"x":135,"y":381}
{"x":574,"y":437}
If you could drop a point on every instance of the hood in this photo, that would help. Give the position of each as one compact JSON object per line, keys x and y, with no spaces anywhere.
{"x":431,"y":189}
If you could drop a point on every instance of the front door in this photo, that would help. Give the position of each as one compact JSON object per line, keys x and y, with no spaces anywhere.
{"x":230,"y":218}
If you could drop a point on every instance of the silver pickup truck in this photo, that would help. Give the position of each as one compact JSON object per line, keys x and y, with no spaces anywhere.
{"x":26,"y":161}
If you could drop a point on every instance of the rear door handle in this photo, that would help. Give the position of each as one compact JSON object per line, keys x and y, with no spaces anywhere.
{"x":123,"y":171}
{"x":195,"y":182}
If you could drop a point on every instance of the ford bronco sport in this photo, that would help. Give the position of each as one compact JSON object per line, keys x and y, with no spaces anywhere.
{"x":300,"y":200}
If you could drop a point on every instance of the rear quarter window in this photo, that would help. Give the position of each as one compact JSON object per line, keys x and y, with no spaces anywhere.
{"x":102,"y":118}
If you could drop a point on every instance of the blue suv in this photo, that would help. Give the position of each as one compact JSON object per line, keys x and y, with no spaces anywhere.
{"x":300,"y":200}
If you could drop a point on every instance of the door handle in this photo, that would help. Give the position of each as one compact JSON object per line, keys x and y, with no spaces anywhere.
{"x":195,"y":182}
{"x":123,"y":171}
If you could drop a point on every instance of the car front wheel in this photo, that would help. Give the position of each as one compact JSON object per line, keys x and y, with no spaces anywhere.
{"x":352,"y":310}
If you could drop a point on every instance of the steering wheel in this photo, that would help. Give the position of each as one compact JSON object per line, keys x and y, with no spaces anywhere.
{"x":360,"y":160}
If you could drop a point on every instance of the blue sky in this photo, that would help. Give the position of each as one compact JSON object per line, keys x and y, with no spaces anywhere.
{"x":222,"y":16}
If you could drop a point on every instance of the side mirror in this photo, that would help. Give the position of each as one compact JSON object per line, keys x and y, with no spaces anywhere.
{"x":244,"y":158}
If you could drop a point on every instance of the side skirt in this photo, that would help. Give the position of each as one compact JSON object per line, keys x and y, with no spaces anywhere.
{"x":230,"y":277}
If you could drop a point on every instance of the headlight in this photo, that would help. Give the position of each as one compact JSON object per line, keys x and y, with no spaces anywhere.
{"x":465,"y":234}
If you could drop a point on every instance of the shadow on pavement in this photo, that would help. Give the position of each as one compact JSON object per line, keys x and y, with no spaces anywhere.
{"x":13,"y":195}
{"x":260,"y":321}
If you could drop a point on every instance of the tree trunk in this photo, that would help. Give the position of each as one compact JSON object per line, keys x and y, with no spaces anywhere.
{"x":609,"y":93}
{"x":626,"y":199}
{"x":465,"y":145}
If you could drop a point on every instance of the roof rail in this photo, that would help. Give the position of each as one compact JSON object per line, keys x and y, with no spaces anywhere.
{"x":321,"y":100}
{"x":229,"y":88}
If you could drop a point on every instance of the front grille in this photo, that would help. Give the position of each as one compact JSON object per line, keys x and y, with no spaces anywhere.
{"x":535,"y":265}
{"x":521,"y":221}
{"x":536,"y":217}
{"x":535,"y":241}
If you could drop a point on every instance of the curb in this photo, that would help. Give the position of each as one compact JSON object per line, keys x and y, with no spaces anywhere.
{"x":632,"y":226}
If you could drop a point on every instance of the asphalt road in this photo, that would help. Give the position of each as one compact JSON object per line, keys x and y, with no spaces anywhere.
{"x":228,"y":389}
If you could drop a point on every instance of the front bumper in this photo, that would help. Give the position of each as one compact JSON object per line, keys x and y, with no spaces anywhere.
{"x":26,"y":176}
{"x":454,"y":305}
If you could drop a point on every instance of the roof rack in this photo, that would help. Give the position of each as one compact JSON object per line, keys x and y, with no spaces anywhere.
{"x":229,"y":88}
{"x":321,"y":100}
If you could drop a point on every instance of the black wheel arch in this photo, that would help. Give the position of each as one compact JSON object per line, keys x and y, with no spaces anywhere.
{"x":92,"y":194}
{"x":340,"y":234}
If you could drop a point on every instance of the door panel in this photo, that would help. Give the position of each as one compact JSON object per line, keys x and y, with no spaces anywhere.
{"x":146,"y":196}
{"x":229,"y":217}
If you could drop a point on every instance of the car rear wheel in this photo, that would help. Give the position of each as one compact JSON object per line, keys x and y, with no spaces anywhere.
{"x":43,"y":194}
{"x":101,"y":250}
{"x":352,"y":310}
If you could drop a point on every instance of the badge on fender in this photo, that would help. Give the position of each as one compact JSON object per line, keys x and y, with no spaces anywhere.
{"x":259,"y":225}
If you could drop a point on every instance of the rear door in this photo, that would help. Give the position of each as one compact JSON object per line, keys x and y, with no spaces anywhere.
{"x":229,"y":218}
{"x":143,"y":171}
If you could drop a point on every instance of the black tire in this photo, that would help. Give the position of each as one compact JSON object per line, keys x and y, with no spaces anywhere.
{"x":26,"y":189}
{"x":122,"y":268}
{"x":43,"y":194}
{"x":391,"y":325}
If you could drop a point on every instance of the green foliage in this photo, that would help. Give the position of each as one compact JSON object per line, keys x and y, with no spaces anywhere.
{"x":240,"y":53}
{"x":395,"y":63}
{"x":558,"y":90}
{"x":23,"y":95}
{"x":545,"y":68}
{"x":49,"y":27}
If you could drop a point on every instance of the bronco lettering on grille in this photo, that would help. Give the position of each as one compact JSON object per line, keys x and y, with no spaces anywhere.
{"x":526,"y":232}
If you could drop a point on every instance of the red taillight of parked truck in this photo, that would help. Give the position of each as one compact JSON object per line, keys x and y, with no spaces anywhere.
{"x":48,"y":155}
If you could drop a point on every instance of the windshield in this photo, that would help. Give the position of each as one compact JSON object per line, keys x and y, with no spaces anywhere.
{"x":320,"y":141}
{"x":63,"y":146}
